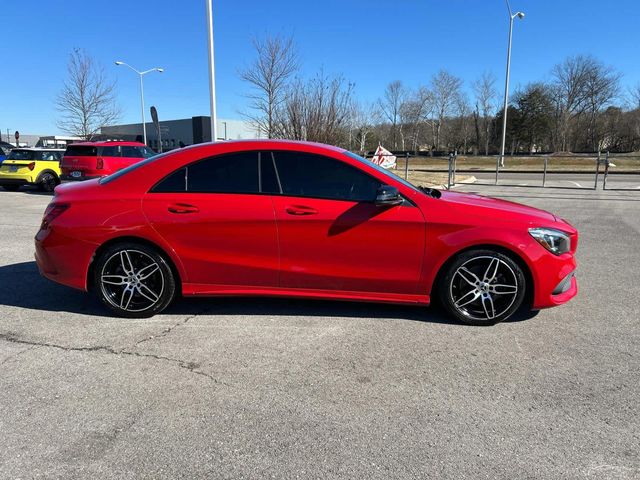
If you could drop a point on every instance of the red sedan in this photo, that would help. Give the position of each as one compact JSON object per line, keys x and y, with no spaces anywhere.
{"x":293,"y":219}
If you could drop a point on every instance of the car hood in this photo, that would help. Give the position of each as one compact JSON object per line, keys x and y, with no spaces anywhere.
{"x":497,"y":209}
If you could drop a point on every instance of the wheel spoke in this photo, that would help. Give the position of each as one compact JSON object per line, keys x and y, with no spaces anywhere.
{"x":492,"y":269}
{"x":474,"y":296}
{"x":468,"y":276}
{"x":501,"y":289}
{"x":149,"y":295}
{"x":127,"y":295}
{"x":147,"y":271}
{"x":487,"y":300}
{"x":114,"y":279}
{"x":125,"y":260}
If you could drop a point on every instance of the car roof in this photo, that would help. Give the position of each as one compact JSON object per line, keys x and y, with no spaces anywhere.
{"x":106,"y":144}
{"x":278,"y":142}
{"x":260,"y":143}
{"x":39,"y":149}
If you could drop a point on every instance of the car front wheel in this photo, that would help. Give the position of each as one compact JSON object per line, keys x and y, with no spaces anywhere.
{"x":482,"y":287}
{"x":134,"y":280}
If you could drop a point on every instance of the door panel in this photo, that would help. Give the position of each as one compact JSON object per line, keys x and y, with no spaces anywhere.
{"x":352,"y":246}
{"x":222,"y":239}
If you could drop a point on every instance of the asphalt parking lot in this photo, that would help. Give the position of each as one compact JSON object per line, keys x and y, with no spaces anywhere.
{"x":254,"y":388}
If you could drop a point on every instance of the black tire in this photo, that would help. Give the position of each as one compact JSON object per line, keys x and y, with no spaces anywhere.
{"x":476,"y":294}
{"x":127,"y":283}
{"x":47,"y":182}
{"x":11,"y":188}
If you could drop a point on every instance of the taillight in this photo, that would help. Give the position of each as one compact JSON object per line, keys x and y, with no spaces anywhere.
{"x":52,"y":212}
{"x":99,"y":164}
{"x":31,"y":166}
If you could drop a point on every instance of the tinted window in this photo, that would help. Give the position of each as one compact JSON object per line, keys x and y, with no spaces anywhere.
{"x":176,"y":182}
{"x":81,"y":151}
{"x":268,"y":179}
{"x":234,"y":173}
{"x":48,"y":156}
{"x":137,"y":152}
{"x":110,"y":151}
{"x":308,"y":175}
{"x":21,"y":155}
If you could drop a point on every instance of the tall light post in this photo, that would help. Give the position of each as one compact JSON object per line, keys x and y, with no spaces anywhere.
{"x":212,"y":72}
{"x":141,"y":74}
{"x":512,"y":17}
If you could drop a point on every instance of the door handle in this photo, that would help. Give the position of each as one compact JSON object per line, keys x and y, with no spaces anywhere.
{"x":300,"y":210}
{"x":182,"y":208}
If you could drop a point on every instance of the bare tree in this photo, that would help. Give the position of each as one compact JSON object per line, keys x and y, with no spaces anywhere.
{"x":462,"y":109}
{"x":414,"y":112}
{"x":268,"y":75}
{"x":361,"y":124}
{"x":87,"y":100}
{"x":634,"y":97}
{"x":485,"y":93}
{"x":570,"y":80}
{"x":390,"y":104}
{"x":445,"y":89}
{"x":317,"y":110}
{"x":602,"y":87}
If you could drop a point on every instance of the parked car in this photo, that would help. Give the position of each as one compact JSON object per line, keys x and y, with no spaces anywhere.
{"x":282,"y":218}
{"x":31,"y":166}
{"x":85,"y":160}
{"x":5,"y":149}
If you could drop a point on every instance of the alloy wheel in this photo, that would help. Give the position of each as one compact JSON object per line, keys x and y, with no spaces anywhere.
{"x":132,"y":280}
{"x":484,"y":288}
{"x":48,"y":182}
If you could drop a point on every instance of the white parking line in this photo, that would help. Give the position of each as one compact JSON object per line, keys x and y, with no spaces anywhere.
{"x":575,"y":183}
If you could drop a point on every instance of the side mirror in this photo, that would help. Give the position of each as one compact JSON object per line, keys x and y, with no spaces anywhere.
{"x":388,"y":196}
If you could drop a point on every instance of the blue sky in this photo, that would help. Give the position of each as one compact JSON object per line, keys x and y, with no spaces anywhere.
{"x":369,"y":42}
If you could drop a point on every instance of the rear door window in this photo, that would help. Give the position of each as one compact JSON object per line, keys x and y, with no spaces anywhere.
{"x":233,"y":173}
{"x":110,"y":151}
{"x":137,"y":152}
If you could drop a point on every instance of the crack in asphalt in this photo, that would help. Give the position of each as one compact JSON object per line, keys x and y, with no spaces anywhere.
{"x":11,"y":357}
{"x":169,"y":329}
{"x":189,"y":366}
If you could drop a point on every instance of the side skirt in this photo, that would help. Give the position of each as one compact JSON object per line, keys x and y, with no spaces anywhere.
{"x":203,"y":290}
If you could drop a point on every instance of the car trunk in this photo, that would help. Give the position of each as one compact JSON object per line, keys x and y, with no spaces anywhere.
{"x":16,"y":166}
{"x":79,"y":158}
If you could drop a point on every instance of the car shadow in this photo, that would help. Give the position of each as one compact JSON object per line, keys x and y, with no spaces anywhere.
{"x":24,"y":287}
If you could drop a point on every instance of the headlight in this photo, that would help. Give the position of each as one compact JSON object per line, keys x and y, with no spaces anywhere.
{"x":555,"y":241}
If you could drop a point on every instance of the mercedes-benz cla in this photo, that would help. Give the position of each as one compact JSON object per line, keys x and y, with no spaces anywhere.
{"x":281,"y":218}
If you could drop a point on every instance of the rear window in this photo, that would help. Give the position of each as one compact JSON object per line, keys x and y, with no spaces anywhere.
{"x":81,"y":151}
{"x":130,"y":168}
{"x":21,"y":155}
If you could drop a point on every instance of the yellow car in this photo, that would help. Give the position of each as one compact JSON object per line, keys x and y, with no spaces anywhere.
{"x":31,"y":166}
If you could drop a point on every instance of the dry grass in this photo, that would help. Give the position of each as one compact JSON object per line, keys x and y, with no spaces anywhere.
{"x":587,"y":163}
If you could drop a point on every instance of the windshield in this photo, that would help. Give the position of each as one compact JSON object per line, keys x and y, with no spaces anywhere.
{"x":382,"y":170}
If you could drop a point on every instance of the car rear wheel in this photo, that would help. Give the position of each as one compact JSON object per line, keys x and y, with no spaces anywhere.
{"x":47,"y":182}
{"x":482,"y":287}
{"x":11,"y":188}
{"x":134,"y":280}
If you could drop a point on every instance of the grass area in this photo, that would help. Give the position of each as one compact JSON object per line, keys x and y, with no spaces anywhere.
{"x":587,"y":163}
{"x":429,"y":179}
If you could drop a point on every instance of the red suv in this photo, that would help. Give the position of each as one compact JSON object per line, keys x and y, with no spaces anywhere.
{"x":86,"y":160}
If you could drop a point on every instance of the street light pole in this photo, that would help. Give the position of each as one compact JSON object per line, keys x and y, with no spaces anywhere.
{"x":212,"y":72}
{"x":141,"y":74}
{"x":512,"y":17}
